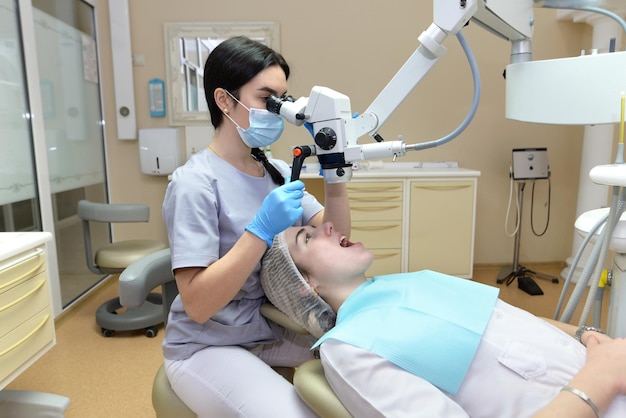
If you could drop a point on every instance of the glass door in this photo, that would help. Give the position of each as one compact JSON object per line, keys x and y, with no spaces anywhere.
{"x":51,"y":133}
{"x":19,"y":208}
{"x":65,"y":38}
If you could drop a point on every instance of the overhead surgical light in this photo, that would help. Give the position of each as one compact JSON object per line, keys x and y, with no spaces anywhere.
{"x":584,"y":90}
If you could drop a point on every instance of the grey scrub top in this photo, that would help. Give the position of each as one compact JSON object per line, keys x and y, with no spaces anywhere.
{"x":206,"y":208}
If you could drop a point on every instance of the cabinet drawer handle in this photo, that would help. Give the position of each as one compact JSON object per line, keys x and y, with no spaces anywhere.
{"x":374,"y":189}
{"x":373,"y":227}
{"x":366,"y":199}
{"x":386,"y":255}
{"x":30,"y":334}
{"x":28,"y":273}
{"x":451,"y":187}
{"x":374,"y":208}
{"x":35,"y":253}
{"x":26,"y":296}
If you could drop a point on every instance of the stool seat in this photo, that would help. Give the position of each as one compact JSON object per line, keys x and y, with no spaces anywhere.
{"x":165,"y":401}
{"x":117,"y":256}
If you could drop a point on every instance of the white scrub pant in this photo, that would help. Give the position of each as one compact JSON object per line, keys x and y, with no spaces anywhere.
{"x":231,"y":381}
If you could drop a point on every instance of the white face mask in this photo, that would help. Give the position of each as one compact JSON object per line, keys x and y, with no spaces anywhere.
{"x":265,"y":127}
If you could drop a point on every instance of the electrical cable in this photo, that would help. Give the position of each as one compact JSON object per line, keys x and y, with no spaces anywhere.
{"x":593,"y":269}
{"x":598,"y":10}
{"x":532,"y":206}
{"x":475,"y":99}
{"x":610,"y":226}
{"x":620,"y":21}
{"x":596,"y":315}
{"x":583,"y":280}
{"x":574,"y":265}
{"x":508,"y":210}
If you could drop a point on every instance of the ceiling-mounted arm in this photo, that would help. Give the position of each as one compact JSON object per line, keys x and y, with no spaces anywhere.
{"x":510,"y":20}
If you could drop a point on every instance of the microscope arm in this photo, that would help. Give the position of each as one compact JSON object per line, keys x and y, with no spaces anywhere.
{"x":511,"y":21}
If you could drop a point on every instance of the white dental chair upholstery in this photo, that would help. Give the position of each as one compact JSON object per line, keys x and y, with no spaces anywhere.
{"x":113,"y":258}
{"x":154,"y":270}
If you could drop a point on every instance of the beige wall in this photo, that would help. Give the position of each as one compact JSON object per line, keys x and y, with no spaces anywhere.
{"x":355,"y":47}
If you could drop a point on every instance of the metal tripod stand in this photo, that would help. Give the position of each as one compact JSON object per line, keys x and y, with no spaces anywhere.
{"x":510,"y":273}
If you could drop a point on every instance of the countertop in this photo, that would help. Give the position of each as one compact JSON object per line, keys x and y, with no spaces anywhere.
{"x":398,"y":169}
{"x":13,"y":243}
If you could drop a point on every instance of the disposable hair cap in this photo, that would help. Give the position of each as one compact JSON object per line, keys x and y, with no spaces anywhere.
{"x":285,"y":287}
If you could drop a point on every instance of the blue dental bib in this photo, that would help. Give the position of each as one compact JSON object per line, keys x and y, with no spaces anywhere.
{"x":427,"y":323}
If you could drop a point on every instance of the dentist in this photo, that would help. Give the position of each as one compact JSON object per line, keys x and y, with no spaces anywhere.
{"x":222,"y":210}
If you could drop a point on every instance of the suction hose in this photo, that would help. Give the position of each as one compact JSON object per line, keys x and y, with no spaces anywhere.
{"x":593,"y":269}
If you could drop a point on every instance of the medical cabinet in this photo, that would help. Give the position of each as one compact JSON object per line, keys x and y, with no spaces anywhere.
{"x":412,"y":218}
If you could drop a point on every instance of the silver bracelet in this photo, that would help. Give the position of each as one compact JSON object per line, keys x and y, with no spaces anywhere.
{"x":582,"y":395}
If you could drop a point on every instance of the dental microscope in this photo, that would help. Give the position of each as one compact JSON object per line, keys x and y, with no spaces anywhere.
{"x":328,"y":113}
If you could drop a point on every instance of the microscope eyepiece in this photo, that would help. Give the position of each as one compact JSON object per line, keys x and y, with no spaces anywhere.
{"x":288,"y":107}
{"x":274,"y":103}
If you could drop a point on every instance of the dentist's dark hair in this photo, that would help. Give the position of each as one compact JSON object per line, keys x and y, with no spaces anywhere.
{"x":232,"y":64}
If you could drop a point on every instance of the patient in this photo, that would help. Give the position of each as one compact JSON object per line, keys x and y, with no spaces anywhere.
{"x":427,"y":344}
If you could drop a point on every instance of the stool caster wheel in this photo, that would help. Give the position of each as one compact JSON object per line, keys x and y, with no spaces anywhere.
{"x":107,"y":332}
{"x":151,"y":332}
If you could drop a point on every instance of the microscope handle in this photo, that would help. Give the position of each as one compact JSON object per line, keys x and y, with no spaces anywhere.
{"x":299,"y":154}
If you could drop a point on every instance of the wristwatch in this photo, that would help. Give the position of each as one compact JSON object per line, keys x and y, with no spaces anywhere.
{"x":579,"y":331}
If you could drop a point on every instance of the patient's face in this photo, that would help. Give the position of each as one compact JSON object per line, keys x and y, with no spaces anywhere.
{"x":326,"y":254}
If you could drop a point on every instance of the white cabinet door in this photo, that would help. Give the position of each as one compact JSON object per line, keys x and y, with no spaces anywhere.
{"x":441,"y":226}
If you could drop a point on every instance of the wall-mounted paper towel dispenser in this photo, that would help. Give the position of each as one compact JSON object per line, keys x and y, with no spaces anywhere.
{"x":160,"y":151}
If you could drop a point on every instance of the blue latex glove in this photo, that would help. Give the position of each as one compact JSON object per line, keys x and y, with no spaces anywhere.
{"x":280,"y":210}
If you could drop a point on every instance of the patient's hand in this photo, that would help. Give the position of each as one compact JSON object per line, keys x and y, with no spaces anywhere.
{"x":602,"y":378}
{"x":601,"y":338}
{"x":608,"y":359}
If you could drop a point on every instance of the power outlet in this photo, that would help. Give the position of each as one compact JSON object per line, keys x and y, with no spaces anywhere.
{"x":530,"y":164}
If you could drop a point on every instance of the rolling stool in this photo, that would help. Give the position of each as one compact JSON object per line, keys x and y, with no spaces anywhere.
{"x":113,"y":258}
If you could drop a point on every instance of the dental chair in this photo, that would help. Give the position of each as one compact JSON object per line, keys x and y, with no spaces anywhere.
{"x":113,"y":258}
{"x":153,"y":270}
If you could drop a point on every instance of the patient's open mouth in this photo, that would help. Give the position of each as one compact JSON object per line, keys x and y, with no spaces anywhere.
{"x":344,"y":242}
